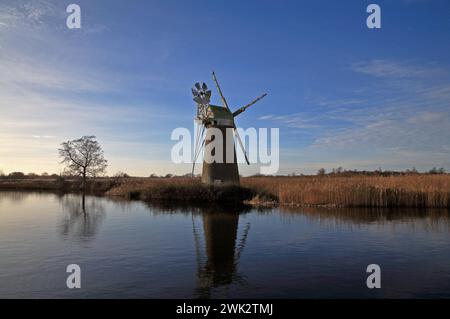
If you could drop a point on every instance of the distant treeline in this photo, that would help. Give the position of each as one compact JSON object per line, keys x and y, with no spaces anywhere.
{"x":344,"y":172}
{"x":321,"y":172}
{"x":379,"y":172}
{"x":20,"y":175}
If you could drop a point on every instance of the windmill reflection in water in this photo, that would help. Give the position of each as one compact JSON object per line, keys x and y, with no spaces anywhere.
{"x":217,"y":262}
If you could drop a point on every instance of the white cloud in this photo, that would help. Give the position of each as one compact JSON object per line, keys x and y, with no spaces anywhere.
{"x":266,"y":117}
{"x":387,"y":68}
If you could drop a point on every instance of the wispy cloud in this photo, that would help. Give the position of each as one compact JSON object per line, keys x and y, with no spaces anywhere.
{"x":412,"y":115}
{"x":30,"y":13}
{"x":33,"y":74}
{"x":405,"y":114}
{"x":41,"y":15}
{"x":425,"y":131}
{"x":266,"y":117}
{"x":392,"y":69}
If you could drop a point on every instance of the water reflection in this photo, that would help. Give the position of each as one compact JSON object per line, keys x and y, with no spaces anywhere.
{"x":218,"y":267}
{"x":430,"y":219}
{"x":81,"y":216}
{"x":16,"y":198}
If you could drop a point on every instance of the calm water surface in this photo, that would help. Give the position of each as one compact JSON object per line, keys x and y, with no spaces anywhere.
{"x":131,"y":249}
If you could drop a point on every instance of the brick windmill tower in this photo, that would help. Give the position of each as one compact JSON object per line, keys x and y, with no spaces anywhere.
{"x":219,"y":162}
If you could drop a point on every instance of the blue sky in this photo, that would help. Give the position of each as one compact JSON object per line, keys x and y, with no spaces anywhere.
{"x":341,"y":94}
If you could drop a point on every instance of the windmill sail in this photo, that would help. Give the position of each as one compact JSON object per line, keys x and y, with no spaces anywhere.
{"x":242,"y":109}
{"x":224,"y":101}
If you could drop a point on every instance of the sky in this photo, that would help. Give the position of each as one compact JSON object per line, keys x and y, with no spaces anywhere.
{"x":341,"y":94}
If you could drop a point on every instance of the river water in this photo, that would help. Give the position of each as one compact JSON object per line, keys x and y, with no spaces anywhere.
{"x":137,"y":250}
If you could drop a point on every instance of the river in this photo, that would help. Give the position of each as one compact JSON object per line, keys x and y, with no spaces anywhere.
{"x":131,"y":249}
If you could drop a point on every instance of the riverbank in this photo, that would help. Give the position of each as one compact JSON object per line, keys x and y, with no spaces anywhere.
{"x":179,"y":189}
{"x":64,"y":185}
{"x":415,"y":190}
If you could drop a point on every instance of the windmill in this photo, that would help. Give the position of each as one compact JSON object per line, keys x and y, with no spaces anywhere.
{"x":210,"y":117}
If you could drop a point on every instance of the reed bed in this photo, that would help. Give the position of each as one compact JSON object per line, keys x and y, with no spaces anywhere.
{"x":424,"y":190}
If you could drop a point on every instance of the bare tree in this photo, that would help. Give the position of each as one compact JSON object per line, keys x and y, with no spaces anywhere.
{"x":83,"y":157}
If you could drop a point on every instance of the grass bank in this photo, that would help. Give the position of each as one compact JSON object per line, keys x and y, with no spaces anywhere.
{"x":179,"y":189}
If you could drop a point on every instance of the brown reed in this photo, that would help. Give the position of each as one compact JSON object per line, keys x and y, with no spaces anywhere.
{"x":415,"y":190}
